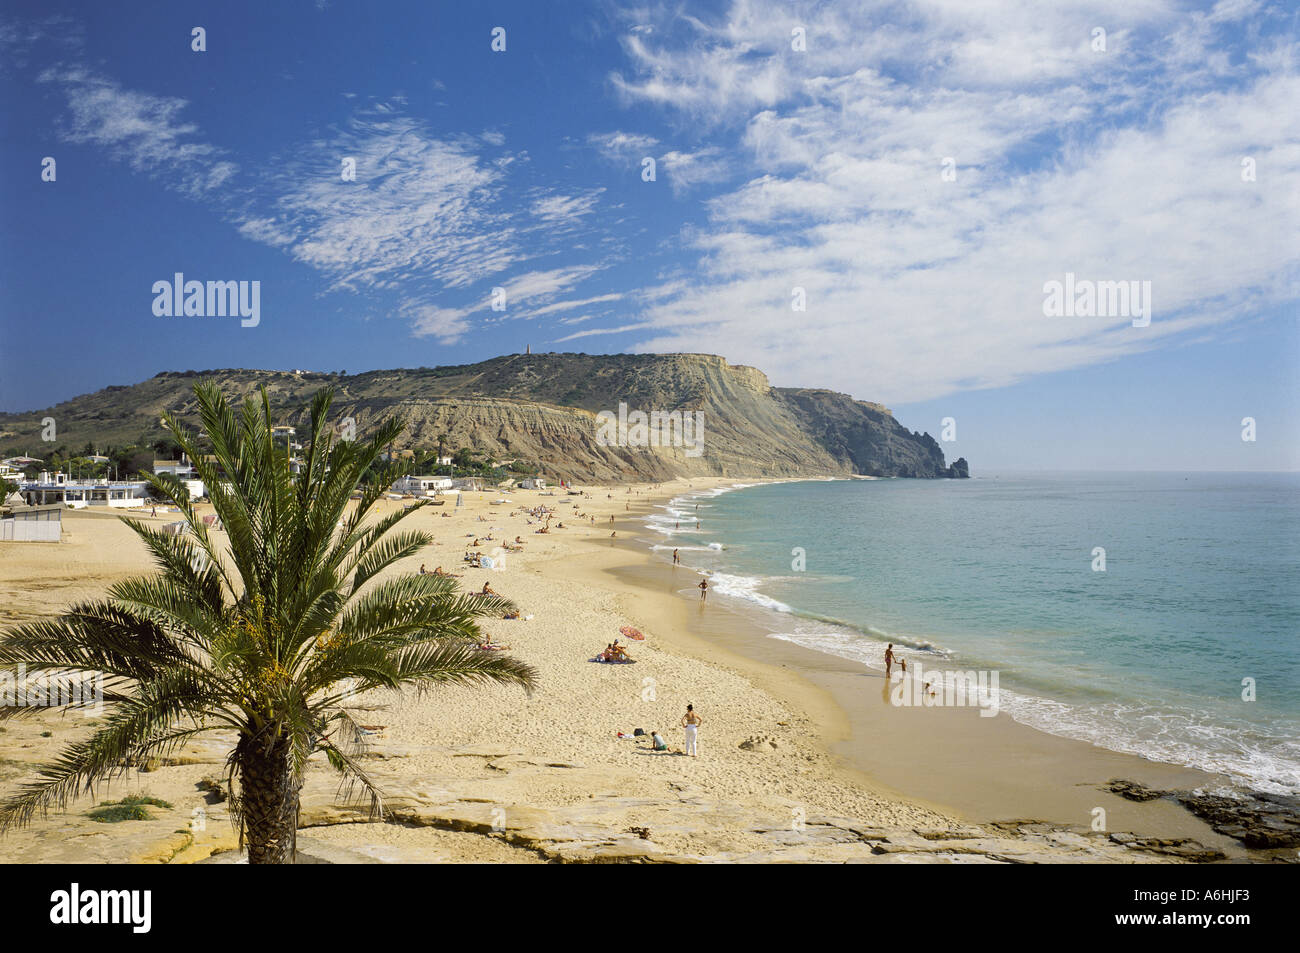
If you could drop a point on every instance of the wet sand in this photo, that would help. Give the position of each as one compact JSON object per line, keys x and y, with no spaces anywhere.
{"x":978,"y":768}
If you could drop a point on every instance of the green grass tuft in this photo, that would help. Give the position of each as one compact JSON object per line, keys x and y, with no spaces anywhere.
{"x":130,"y":808}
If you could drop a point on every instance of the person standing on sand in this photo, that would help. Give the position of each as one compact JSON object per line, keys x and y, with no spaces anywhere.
{"x":889,"y":659}
{"x":704,"y":589}
{"x":691,"y":722}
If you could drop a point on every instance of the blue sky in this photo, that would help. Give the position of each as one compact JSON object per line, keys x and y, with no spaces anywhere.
{"x":777,"y":167}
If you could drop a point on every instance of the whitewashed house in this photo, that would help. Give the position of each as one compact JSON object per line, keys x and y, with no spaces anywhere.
{"x":177,"y":468}
{"x":422,"y":485}
{"x":53,"y":488}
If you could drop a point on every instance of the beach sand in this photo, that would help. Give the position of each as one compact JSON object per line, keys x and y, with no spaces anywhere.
{"x":799,"y":759}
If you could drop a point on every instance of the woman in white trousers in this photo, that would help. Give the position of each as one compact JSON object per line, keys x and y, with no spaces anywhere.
{"x":691,"y":722}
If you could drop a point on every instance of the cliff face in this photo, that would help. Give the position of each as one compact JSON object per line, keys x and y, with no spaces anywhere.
{"x":867,"y":437}
{"x":543,"y":408}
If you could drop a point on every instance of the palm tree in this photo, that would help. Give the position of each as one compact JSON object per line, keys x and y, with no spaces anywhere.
{"x":266,"y":636}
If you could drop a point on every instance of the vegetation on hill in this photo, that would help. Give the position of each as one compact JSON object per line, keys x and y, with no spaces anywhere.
{"x":538,"y":410}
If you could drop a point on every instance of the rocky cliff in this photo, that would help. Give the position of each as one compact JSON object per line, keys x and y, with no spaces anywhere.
{"x":544,"y":408}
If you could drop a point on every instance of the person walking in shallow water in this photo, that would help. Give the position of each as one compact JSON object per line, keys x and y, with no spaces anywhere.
{"x":889,"y":659}
{"x":691,"y":722}
{"x":704,"y":589}
{"x":676,"y":559}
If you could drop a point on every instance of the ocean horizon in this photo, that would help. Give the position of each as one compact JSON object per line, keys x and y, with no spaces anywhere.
{"x":1154,"y":613}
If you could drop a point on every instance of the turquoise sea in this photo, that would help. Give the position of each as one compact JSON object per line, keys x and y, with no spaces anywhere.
{"x":1198,"y":604}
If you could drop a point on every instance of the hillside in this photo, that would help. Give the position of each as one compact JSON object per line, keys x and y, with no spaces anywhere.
{"x":542,"y":408}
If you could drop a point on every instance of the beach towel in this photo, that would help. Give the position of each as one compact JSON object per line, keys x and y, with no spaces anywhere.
{"x":605,"y":661}
{"x":632,"y":633}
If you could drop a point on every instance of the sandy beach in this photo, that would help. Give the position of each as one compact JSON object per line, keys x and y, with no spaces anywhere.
{"x":799,"y":759}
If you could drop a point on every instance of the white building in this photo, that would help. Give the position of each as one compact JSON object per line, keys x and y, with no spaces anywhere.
{"x":421,"y":485}
{"x":179,"y":468}
{"x":532,"y":483}
{"x":54,"y":488}
{"x":38,"y":524}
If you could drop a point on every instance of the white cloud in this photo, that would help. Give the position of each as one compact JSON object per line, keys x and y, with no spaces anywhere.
{"x":541,"y":285}
{"x":143,"y":130}
{"x":420,"y":207}
{"x":1115,"y":165}
{"x":425,"y":214}
{"x":623,"y":146}
{"x":566,"y":210}
{"x":447,"y":325}
{"x":594,"y":332}
{"x":687,"y":170}
{"x":560,"y":306}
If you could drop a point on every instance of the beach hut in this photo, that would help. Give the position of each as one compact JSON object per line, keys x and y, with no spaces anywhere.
{"x":33,"y":524}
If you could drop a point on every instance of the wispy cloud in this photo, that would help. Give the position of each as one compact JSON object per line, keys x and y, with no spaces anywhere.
{"x":595,"y":332}
{"x":562,"y":306}
{"x":143,"y":130}
{"x":622,"y":146}
{"x":1122,"y":163}
{"x":565,"y":211}
{"x":447,"y":325}
{"x":685,"y":169}
{"x":420,"y":207}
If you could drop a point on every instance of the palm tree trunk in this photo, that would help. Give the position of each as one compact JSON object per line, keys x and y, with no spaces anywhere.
{"x":269,"y":798}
